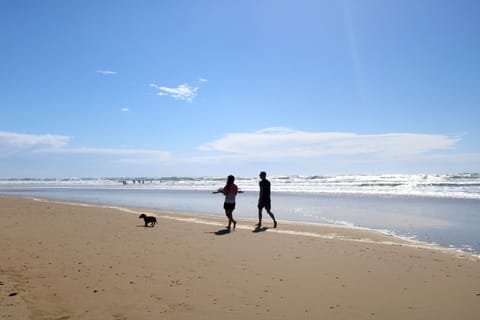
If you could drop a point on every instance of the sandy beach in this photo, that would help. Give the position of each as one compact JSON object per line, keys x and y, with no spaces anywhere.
{"x":71,"y":261}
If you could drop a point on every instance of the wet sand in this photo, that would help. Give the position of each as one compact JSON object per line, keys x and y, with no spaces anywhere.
{"x":66,"y":261}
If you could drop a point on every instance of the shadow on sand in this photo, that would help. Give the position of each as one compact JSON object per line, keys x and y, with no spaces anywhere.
{"x":221,"y":232}
{"x":259,"y":229}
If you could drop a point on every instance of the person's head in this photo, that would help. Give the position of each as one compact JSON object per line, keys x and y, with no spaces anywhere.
{"x":262,"y":175}
{"x":230,"y":180}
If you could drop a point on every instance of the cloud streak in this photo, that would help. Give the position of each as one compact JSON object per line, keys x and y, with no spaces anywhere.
{"x":12,"y":143}
{"x":183,"y":92}
{"x":157,"y":154}
{"x":278,"y":147}
{"x":288,"y":143}
{"x":106,"y":72}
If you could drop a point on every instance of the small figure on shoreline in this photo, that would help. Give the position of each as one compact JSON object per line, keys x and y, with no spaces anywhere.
{"x":264,"y":200}
{"x":230,"y":191}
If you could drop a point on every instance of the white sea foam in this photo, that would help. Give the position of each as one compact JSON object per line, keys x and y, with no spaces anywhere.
{"x":461,"y":186}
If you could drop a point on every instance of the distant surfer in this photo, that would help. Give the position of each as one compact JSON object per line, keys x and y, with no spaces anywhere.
{"x":230,"y":191}
{"x":264,"y":199}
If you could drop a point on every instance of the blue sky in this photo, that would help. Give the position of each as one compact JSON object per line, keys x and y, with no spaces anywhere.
{"x":200,"y":88}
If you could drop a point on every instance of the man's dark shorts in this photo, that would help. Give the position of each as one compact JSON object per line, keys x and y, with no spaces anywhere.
{"x":264,"y":204}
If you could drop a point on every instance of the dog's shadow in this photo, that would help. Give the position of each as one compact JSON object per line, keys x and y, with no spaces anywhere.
{"x":144,"y":226}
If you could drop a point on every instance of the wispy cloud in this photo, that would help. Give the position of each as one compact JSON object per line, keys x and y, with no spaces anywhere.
{"x":288,"y":149}
{"x":11,"y":143}
{"x":106,"y":72}
{"x":288,"y":143}
{"x":140,"y":153}
{"x":202,"y":80}
{"x":124,"y":110}
{"x":183,"y":92}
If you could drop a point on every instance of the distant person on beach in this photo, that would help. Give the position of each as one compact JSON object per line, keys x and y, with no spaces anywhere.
{"x":230,"y":191}
{"x":264,"y":199}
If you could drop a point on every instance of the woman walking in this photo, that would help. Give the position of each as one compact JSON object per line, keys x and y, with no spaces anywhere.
{"x":230,"y":191}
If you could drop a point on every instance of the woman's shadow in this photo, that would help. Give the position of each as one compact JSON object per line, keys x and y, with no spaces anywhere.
{"x":259,"y":229}
{"x":221,"y":232}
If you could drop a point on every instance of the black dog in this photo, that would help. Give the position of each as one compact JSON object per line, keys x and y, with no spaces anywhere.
{"x":148,"y":219}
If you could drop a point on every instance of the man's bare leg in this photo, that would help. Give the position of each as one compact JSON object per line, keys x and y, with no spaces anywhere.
{"x":259,"y":224}
{"x":273,"y":218}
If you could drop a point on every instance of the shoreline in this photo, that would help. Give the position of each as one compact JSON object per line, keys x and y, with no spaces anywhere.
{"x":407,"y":240}
{"x":203,"y":218}
{"x":82,"y":261}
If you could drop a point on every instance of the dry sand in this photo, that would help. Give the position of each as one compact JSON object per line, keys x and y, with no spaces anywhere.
{"x":65,"y":261}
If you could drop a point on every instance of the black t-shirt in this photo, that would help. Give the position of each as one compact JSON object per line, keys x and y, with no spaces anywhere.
{"x":264,"y":190}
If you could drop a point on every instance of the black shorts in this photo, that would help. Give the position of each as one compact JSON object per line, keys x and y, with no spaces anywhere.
{"x":229,"y":206}
{"x":264,"y":204}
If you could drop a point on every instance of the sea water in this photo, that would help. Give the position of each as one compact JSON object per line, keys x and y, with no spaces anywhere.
{"x":440,"y":209}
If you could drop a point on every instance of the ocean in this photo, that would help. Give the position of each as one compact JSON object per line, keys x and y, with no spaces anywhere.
{"x":437,"y":209}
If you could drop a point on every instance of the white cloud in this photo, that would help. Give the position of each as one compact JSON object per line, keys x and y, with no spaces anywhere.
{"x":280,"y":149}
{"x":183,"y":92}
{"x":124,"y":109}
{"x":288,"y":143}
{"x":202,"y":80}
{"x":11,"y":142}
{"x":106,"y":72}
{"x":152,"y":154}
{"x":126,"y":156}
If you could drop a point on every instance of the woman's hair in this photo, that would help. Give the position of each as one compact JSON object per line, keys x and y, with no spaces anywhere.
{"x":230,"y":180}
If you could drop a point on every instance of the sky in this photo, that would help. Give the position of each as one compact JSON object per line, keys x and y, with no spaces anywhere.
{"x":159,"y":88}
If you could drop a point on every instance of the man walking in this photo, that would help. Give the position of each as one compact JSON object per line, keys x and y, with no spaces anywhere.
{"x":264,"y":199}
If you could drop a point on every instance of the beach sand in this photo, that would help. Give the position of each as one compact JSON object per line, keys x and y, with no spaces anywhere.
{"x":67,"y":261}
